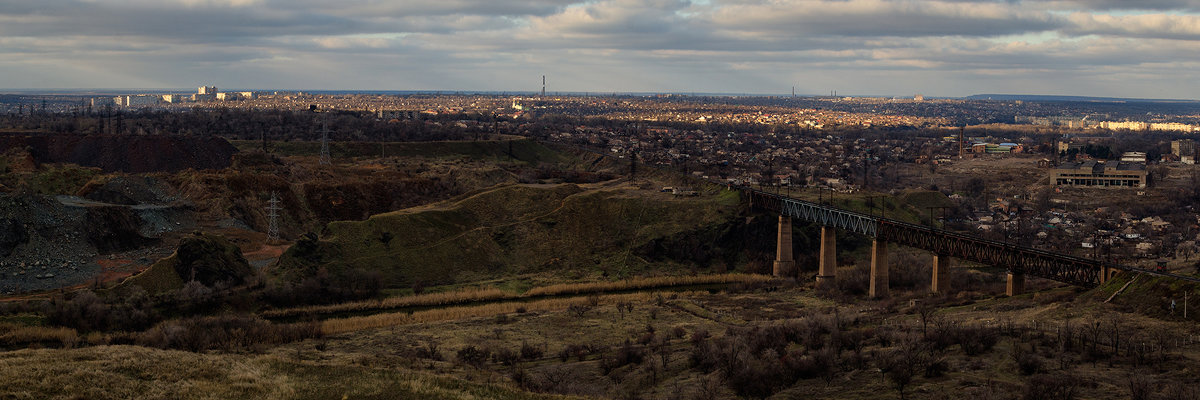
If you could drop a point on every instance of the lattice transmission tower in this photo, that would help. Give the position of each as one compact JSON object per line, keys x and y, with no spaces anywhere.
{"x":273,"y":218}
{"x":325,"y":160}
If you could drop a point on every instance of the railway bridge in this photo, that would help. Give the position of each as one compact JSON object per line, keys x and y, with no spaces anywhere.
{"x":1018,"y":260}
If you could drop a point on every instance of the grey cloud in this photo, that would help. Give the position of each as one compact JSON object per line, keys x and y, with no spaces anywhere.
{"x":865,"y":18}
{"x":1111,"y":5}
{"x":1186,"y":27}
{"x":717,"y":45}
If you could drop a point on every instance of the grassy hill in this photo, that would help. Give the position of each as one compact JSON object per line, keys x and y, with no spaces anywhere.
{"x":205,"y":258}
{"x":1149,"y":295}
{"x":514,"y":229}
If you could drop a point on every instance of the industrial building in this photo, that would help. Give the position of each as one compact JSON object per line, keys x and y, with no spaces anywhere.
{"x":1100,"y":174}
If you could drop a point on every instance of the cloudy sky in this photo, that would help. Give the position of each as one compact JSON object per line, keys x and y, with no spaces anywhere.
{"x":1129,"y":48}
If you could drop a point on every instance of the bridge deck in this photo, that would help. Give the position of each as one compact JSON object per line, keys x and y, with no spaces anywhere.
{"x":1021,"y":259}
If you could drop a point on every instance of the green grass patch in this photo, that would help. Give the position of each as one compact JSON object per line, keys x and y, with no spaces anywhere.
{"x":60,"y":179}
{"x":25,"y":319}
{"x":509,"y":231}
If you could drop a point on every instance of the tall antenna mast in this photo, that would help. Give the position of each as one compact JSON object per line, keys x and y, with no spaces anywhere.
{"x":324,"y":160}
{"x":543,"y":86}
{"x":273,"y":218}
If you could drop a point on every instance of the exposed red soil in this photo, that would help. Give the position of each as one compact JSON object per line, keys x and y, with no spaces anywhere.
{"x":266,"y":252}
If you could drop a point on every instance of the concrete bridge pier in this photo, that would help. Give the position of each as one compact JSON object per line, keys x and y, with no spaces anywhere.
{"x":827,"y":264}
{"x":1107,"y":273}
{"x":1016,"y":283}
{"x":879,"y":269}
{"x":941,"y":277}
{"x":785,"y":264}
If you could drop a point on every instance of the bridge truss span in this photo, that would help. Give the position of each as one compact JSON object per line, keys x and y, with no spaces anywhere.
{"x":1017,"y":259}
{"x":818,"y":213}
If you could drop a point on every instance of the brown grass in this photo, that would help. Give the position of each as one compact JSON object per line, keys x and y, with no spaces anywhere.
{"x":343,"y":325}
{"x":430,"y":299}
{"x":12,"y":334}
{"x":476,"y":294}
{"x":644,"y":283}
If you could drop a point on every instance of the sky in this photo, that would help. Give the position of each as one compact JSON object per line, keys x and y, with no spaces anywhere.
{"x":1119,"y":48}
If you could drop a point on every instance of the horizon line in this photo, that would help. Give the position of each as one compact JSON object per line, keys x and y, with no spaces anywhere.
{"x":53,"y":91}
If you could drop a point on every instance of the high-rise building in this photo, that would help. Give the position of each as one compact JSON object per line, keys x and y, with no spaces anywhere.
{"x":137,"y":100}
{"x":98,"y":102}
{"x":205,"y":93}
{"x":1185,"y":147}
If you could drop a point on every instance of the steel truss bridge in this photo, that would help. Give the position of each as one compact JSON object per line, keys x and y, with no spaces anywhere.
{"x":1060,"y":267}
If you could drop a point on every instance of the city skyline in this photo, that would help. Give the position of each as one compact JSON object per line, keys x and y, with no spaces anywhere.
{"x":857,"y":47}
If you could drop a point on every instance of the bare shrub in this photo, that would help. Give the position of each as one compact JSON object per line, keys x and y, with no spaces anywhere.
{"x":853,"y":281}
{"x":430,"y":351}
{"x":1028,"y":363}
{"x":699,"y":335}
{"x":976,"y":339}
{"x":84,"y":311}
{"x":530,"y":352}
{"x":1051,"y":387}
{"x":914,"y":277}
{"x":936,"y":368}
{"x":230,"y":333}
{"x":1140,"y":387}
{"x":578,"y":351}
{"x":472,"y":355}
{"x":555,"y":379}
{"x":709,"y":388}
{"x":506,"y":357}
{"x":1182,"y":391}
{"x":902,"y":364}
{"x":704,"y":355}
{"x":646,"y":338}
{"x":625,"y":355}
{"x":325,"y":287}
{"x":578,"y":309}
{"x":756,"y":377}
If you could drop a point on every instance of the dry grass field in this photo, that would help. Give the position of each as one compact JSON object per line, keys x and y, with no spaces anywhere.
{"x":672,"y":345}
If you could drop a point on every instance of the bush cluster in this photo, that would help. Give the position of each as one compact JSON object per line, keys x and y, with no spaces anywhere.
{"x":324,"y":287}
{"x":228,"y":333}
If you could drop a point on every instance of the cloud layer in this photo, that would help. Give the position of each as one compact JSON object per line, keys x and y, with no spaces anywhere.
{"x":890,"y":47}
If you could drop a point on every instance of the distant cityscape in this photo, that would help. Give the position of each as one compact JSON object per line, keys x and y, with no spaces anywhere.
{"x":814,"y":112}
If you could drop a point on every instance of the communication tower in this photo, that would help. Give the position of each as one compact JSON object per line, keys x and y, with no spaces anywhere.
{"x":543,"y":86}
{"x":273,"y":218}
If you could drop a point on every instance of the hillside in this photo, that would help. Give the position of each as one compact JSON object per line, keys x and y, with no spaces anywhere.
{"x":123,"y":372}
{"x":207,"y":259}
{"x":133,"y":154}
{"x":1148,"y":295}
{"x":514,"y":229}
